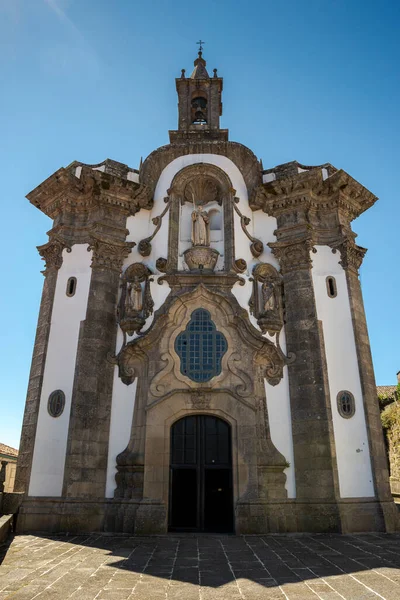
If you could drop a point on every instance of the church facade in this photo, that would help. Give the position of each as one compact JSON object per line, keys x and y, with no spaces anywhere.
{"x":202,"y":360}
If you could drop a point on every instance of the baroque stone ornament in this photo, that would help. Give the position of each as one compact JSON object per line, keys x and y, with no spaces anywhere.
{"x":51,"y":253}
{"x":201,"y":258}
{"x":145,"y":244}
{"x":266,"y":298}
{"x":136,"y":303}
{"x":109,"y":254}
{"x":293,"y":255}
{"x":161,"y":264}
{"x":351,"y":254}
{"x":256,"y":246}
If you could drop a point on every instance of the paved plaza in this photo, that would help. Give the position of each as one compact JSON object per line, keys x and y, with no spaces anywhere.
{"x":328,"y":567}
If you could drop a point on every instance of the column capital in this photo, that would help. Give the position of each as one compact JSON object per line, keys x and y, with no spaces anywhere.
{"x":293,"y":254}
{"x":109,"y":254}
{"x":351,"y":254}
{"x":51,"y":253}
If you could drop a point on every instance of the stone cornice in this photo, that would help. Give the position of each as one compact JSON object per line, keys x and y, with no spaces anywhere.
{"x":63,"y":191}
{"x":310,"y":192}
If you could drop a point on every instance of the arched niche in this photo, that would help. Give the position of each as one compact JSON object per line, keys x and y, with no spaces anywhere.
{"x":206,"y":185}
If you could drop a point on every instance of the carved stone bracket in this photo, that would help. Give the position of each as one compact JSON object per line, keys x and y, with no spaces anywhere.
{"x":51,"y":253}
{"x":109,"y":255}
{"x":256,"y":245}
{"x":144,"y":247}
{"x":136,"y":303}
{"x":266,"y":298}
{"x":293,"y":254}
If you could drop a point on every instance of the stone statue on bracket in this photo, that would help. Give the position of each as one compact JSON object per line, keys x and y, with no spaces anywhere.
{"x":200,"y":227}
{"x":201,"y":257}
{"x":136,"y":303}
{"x":266,"y":299}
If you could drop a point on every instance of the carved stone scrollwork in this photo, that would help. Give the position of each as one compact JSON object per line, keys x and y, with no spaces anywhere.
{"x":240,"y":265}
{"x":136,"y":303}
{"x":109,"y":254}
{"x":51,"y":253}
{"x":351,"y":254}
{"x":293,"y":255}
{"x":256,"y":246}
{"x":266,"y":299}
{"x":144,"y":247}
{"x":161,"y":264}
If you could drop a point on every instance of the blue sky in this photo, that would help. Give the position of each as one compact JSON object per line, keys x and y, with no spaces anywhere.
{"x":315,"y":81}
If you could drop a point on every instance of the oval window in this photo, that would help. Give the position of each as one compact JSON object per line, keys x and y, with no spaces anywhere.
{"x":346,"y":404}
{"x":331,"y":287}
{"x":71,"y":286}
{"x":56,"y":403}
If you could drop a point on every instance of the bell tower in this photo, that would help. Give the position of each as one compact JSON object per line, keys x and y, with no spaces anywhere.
{"x":199,"y":104}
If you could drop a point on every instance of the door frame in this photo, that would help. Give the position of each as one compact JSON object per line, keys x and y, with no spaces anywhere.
{"x":200,"y":471}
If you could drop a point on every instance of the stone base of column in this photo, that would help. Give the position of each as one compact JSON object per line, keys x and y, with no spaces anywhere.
{"x":151,"y":518}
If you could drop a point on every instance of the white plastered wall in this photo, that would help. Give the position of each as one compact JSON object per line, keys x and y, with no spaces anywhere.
{"x":262,"y":227}
{"x":52,"y":433}
{"x":351,"y":440}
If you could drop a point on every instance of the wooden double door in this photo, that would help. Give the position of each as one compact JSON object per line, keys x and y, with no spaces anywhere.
{"x":201,"y":490}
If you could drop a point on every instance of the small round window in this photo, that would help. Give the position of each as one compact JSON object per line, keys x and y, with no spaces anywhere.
{"x":346,"y":404}
{"x":56,"y":403}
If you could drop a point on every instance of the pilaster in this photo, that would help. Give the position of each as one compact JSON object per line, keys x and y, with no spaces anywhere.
{"x":51,"y":253}
{"x":313,"y":441}
{"x":87,"y":450}
{"x":351,"y":259}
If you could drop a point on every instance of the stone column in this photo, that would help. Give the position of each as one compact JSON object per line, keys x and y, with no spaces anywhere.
{"x":87,"y":450}
{"x":351,"y":259}
{"x":313,"y":441}
{"x":51,"y":253}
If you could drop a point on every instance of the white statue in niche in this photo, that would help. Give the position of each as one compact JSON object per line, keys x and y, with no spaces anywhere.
{"x":200,"y":227}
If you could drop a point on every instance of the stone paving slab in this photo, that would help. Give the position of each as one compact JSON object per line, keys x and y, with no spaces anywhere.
{"x":189,"y":567}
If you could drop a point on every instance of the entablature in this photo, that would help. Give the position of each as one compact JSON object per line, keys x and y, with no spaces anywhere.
{"x":80,"y":188}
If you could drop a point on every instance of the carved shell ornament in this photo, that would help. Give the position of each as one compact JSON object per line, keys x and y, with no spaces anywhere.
{"x":201,"y":191}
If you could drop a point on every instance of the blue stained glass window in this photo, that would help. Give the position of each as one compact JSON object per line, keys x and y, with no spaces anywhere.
{"x":201,"y":347}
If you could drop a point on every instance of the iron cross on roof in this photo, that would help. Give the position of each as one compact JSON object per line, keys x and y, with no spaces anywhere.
{"x":200,"y":43}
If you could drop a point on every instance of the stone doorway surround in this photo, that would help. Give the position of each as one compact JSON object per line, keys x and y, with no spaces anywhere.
{"x":165,"y":395}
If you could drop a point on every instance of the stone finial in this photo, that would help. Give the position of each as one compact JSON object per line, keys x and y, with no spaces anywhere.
{"x":183,"y":71}
{"x":215,"y":72}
